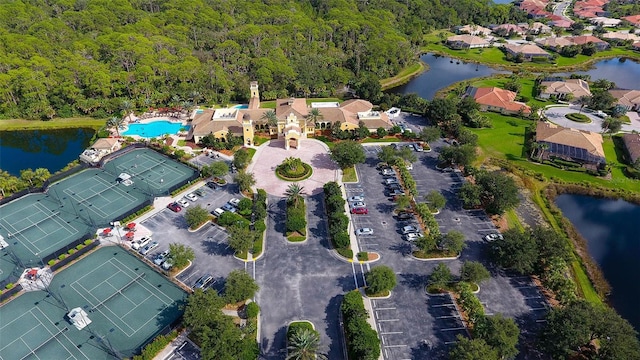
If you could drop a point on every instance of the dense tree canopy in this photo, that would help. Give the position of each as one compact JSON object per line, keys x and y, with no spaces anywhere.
{"x":63,"y":58}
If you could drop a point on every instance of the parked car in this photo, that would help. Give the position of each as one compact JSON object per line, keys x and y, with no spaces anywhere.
{"x":200,"y":192}
{"x":211,"y":185}
{"x":356,"y":198}
{"x":382,"y":166}
{"x":360,"y":210}
{"x":174,"y":207}
{"x":391,"y":181}
{"x":396,"y":192}
{"x":184,"y":203}
{"x":493,"y":237}
{"x":388,"y":172}
{"x":145,"y":250}
{"x":137,"y":244}
{"x":417,"y":147}
{"x":410,"y":229}
{"x":404,"y":216}
{"x":447,"y":169}
{"x":160,"y":258}
{"x":191,"y":197}
{"x":409,"y":166}
{"x":412,"y":236}
{"x":203,"y":281}
{"x":228,"y":207}
{"x":364,"y":231}
{"x":217,"y":212}
{"x":167,"y":264}
{"x":358,"y":204}
{"x":234,"y":202}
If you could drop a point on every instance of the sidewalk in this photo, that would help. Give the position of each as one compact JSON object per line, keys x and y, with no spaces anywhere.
{"x":177,"y":343}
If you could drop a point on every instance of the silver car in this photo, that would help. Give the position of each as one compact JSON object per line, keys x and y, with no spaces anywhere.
{"x":145,"y":250}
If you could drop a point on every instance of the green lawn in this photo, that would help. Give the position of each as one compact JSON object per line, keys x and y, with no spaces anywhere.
{"x":506,"y":140}
{"x":77,"y":122}
{"x":527,"y":88}
{"x":403,"y":76}
{"x":349,"y":175}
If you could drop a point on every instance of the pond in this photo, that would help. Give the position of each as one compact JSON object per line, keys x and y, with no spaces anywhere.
{"x":50,"y":149}
{"x":611,"y":230}
{"x":624,"y":72}
{"x":443,"y":71}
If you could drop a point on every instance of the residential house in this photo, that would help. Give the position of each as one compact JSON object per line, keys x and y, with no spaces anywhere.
{"x":632,"y":143}
{"x":507,"y":29}
{"x":570,"y":88}
{"x":293,"y":119}
{"x":633,"y":19}
{"x":561,"y":23}
{"x":535,"y":8}
{"x":498,"y":100}
{"x":554,"y":43}
{"x":472,"y":30}
{"x":537,"y":28}
{"x":467,"y":42}
{"x":605,"y":21}
{"x":570,"y":144}
{"x":636,"y":46}
{"x":587,"y":9}
{"x":628,"y":99}
{"x":528,"y":51}
{"x":586,"y":39}
{"x":99,"y":149}
{"x":620,"y":36}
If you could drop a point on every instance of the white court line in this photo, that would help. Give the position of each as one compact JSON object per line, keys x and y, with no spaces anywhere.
{"x":65,"y":335}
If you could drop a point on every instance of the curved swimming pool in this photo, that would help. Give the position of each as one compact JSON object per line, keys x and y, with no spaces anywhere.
{"x":155,"y":129}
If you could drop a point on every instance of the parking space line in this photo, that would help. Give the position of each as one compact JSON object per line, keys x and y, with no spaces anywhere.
{"x":387,"y":308}
{"x":388,"y":320}
{"x":448,"y":317}
{"x":453,"y":329}
{"x":538,"y":309}
{"x":392,"y":332}
{"x":394,"y":346}
{"x":442,"y":305}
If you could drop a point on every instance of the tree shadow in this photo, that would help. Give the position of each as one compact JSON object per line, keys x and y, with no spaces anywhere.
{"x":403,"y":248}
{"x":277,"y":349}
{"x":277,"y":210}
{"x":385,"y":208}
{"x":323,"y":161}
{"x":320,"y":231}
{"x":345,"y":283}
{"x":212,"y":247}
{"x":333,"y":330}
{"x":168,"y":314}
{"x":414,"y":281}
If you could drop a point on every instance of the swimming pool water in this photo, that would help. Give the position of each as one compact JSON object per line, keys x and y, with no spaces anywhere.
{"x":242,"y":106}
{"x":155,"y":129}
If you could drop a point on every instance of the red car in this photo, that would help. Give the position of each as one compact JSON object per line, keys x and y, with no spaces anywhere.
{"x":359,"y":210}
{"x":174,"y":207}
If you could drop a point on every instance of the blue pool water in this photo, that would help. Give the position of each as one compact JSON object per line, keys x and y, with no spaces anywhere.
{"x":242,"y":106}
{"x":154,"y":129}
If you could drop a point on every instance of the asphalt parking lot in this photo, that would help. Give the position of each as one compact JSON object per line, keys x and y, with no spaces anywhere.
{"x":212,"y":254}
{"x":410,"y":323}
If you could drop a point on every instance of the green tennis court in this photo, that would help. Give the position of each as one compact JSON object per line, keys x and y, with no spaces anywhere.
{"x":36,"y":225}
{"x":127,"y":302}
{"x":151,"y":172}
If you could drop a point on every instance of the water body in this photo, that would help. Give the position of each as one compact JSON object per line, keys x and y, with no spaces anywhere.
{"x":624,"y":72}
{"x":50,"y":149}
{"x":610,"y":228}
{"x":443,"y":71}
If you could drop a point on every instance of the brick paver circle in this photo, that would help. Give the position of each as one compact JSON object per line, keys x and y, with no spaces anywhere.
{"x":312,"y":152}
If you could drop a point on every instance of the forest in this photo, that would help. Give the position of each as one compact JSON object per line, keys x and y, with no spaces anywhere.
{"x":65,"y":58}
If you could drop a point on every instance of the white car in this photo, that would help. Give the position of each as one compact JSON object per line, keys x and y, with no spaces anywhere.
{"x":230,"y":208}
{"x":159,"y":259}
{"x":387,"y":172}
{"x":493,"y":237}
{"x":141,"y":243}
{"x":192,"y":197}
{"x":217,"y":212}
{"x":234,"y":202}
{"x":418,"y":147}
{"x":364,"y":231}
{"x":412,"y":236}
{"x":184,"y":203}
{"x":167,"y":264}
{"x":391,"y":181}
{"x":410,"y":229}
{"x":358,"y":204}
{"x":356,"y":198}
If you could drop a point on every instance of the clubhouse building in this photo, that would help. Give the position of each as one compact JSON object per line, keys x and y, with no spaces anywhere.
{"x":291,"y":120}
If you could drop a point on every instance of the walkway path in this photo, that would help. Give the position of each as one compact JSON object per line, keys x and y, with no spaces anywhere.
{"x":556,"y":115}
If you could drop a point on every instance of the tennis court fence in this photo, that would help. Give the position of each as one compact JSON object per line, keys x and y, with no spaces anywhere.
{"x":120,"y":152}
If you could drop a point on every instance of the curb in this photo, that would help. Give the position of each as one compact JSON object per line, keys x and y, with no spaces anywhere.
{"x":377,"y":297}
{"x":371,"y":261}
{"x":436,"y":259}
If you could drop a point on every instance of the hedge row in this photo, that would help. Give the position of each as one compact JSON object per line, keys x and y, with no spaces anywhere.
{"x":156,"y":346}
{"x":469,"y":302}
{"x":296,"y":217}
{"x":406,"y":177}
{"x":337,"y":219}
{"x":259,"y":225}
{"x":136,"y":214}
{"x":181,"y":189}
{"x":428,"y":219}
{"x":362,"y":340}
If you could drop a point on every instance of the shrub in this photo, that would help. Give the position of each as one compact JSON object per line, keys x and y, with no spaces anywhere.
{"x":362,"y":340}
{"x":260,"y":226}
{"x":79,"y":247}
{"x":252,"y":310}
{"x":342,"y":239}
{"x":363,"y":256}
{"x":156,"y":346}
{"x":345,"y":252}
{"x":71,"y":251}
{"x":88,"y":242}
{"x":229,"y":218}
{"x":469,"y":302}
{"x":9,"y":286}
{"x":380,"y":279}
{"x":62,"y":257}
{"x":51,"y":262}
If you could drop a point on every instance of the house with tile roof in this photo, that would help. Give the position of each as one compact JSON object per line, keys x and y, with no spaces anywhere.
{"x":570,"y":144}
{"x":554,"y":43}
{"x":621,"y":36}
{"x":633,"y":19}
{"x":589,"y":39}
{"x":507,"y":29}
{"x":587,"y":9}
{"x":605,"y":21}
{"x":528,"y":51}
{"x":536,"y":28}
{"x":497,"y":100}
{"x":628,"y":99}
{"x":636,"y":46}
{"x":561,"y":23}
{"x":293,"y":120}
{"x":472,"y":30}
{"x":467,"y":42}
{"x":570,"y":88}
{"x":632,"y":144}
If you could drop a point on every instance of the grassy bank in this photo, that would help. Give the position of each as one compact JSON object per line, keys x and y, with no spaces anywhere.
{"x":404,"y":76}
{"x":77,"y":122}
{"x":527,"y":88}
{"x":495,"y":57}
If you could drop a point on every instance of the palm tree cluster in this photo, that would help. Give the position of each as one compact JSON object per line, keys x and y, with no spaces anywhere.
{"x":294,"y":194}
{"x":304,"y":344}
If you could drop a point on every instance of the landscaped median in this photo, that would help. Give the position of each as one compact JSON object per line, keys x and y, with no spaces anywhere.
{"x":581,"y":118}
{"x":296,"y":222}
{"x":361,"y":339}
{"x":243,"y":235}
{"x":337,"y":220}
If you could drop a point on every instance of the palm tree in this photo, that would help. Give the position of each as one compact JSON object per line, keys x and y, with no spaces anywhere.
{"x":271,"y":118}
{"x":303,"y":345}
{"x":534,"y":147}
{"x":294,"y":193}
{"x":583,"y":101}
{"x":195,"y":96}
{"x":126,"y":107}
{"x":543,"y":147}
{"x":314,"y":116}
{"x":116,"y":122}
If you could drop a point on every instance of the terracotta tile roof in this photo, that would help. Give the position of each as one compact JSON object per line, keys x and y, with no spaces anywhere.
{"x":297,"y":106}
{"x":632,"y":143}
{"x":498,"y":98}
{"x":634,"y":19}
{"x":555,"y":134}
{"x":474,"y":29}
{"x":509,"y":27}
{"x":554,"y":42}
{"x":356,"y":105}
{"x":585,"y":39}
{"x":628,"y":98}
{"x":526,"y":49}
{"x":621,"y":36}
{"x":561,"y":23}
{"x":104,"y":144}
{"x":637,"y":45}
{"x":577,"y":87}
{"x":468,"y":40}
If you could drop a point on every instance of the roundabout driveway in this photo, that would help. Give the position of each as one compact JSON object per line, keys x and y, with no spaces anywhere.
{"x":556,"y":115}
{"x":312,"y":152}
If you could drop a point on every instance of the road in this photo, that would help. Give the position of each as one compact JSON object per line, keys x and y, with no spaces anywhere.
{"x":561,"y":9}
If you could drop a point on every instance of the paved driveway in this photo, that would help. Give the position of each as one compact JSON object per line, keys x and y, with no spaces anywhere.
{"x":411,"y":324}
{"x":272,"y":153}
{"x":557,"y":116}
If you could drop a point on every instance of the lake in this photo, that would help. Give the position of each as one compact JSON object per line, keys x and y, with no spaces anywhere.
{"x":50,"y":149}
{"x":443,"y":71}
{"x":625,"y":73}
{"x":611,"y":230}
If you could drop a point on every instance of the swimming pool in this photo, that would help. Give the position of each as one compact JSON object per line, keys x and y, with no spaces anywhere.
{"x":241,"y":106}
{"x":155,"y":129}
